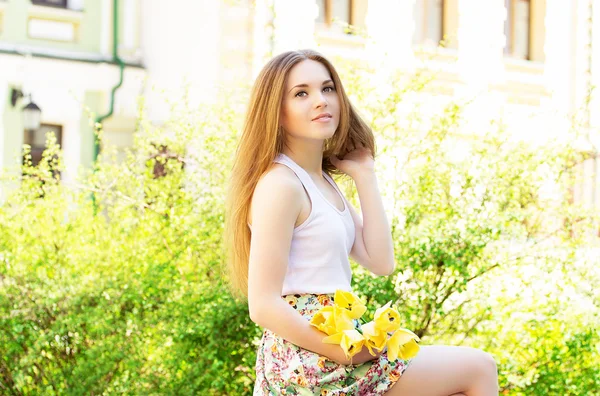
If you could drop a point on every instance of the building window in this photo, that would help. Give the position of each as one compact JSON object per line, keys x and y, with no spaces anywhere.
{"x":429,"y":22}
{"x":585,"y":191}
{"x":338,"y":10}
{"x":37,"y":140}
{"x":517,"y":28}
{"x":51,"y":3}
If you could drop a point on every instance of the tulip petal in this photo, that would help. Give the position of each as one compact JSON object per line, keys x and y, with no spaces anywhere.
{"x":368,"y":328}
{"x":350,"y":302}
{"x":402,"y":344}
{"x":405,"y":335}
{"x":380,"y":310}
{"x":409,"y":350}
{"x":392,"y":353}
{"x":334,"y":338}
{"x":386,"y":318}
{"x":342,"y":320}
{"x":374,"y":340}
{"x":324,"y":320}
{"x":321,"y":316}
{"x":352,"y":343}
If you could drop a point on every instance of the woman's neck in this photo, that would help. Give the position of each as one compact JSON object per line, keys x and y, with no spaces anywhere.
{"x":311,"y":162}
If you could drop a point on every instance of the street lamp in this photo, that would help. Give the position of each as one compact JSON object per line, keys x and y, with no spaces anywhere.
{"x":31,"y":116}
{"x":31,"y":112}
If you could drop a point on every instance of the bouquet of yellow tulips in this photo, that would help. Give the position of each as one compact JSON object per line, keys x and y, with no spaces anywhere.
{"x":338,"y":322}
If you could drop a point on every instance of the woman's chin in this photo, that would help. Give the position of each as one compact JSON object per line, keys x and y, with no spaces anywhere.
{"x":327,"y":134}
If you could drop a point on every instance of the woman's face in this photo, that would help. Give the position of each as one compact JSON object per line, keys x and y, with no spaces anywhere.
{"x":310,"y":107}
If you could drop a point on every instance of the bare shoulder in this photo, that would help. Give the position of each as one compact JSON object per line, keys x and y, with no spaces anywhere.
{"x":278,"y":189}
{"x":279,"y":179}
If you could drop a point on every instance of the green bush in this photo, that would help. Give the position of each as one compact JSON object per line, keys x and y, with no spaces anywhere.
{"x":126,"y":296}
{"x":125,"y":293}
{"x":490,"y":251}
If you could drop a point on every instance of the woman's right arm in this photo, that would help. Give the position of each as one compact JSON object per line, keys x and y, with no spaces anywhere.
{"x":276,"y":204}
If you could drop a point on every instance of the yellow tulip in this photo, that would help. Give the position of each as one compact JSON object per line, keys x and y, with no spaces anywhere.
{"x":374,"y":339}
{"x":402,"y":344}
{"x":386,"y":319}
{"x":322,"y":320}
{"x":331,"y":320}
{"x":351,"y":341}
{"x":350,"y":302}
{"x":343,"y":320}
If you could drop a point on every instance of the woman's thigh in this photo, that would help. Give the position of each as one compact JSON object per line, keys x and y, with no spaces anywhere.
{"x":447,"y":370}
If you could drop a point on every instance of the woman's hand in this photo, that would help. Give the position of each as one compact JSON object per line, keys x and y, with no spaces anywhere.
{"x":355,"y":163}
{"x":360,"y":358}
{"x":363,"y":356}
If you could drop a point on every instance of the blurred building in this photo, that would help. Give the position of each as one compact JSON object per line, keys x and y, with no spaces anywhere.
{"x":522,"y":56}
{"x":58,"y":54}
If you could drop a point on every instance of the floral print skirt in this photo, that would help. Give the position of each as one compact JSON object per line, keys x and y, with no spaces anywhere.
{"x":283,"y":368}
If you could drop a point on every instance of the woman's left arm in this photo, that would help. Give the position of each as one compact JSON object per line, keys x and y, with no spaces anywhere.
{"x":373,"y":247}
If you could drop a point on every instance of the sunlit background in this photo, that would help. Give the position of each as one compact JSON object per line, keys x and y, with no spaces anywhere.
{"x":535,"y":61}
{"x":76,"y":66}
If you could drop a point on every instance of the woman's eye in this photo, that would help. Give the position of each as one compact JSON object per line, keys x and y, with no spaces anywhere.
{"x":329,"y":89}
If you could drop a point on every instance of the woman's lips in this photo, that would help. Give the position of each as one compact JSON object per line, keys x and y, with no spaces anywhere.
{"x":323,"y":119}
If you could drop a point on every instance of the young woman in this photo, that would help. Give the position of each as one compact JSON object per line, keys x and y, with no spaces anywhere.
{"x":290,"y":231}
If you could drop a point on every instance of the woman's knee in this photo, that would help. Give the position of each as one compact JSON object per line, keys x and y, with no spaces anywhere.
{"x":487,"y":364}
{"x":489,"y":361}
{"x":448,"y":370}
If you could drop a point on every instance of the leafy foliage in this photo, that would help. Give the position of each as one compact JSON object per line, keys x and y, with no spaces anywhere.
{"x":125,"y":294}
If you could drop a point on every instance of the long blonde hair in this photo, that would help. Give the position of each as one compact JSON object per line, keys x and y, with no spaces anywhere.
{"x":260,"y":143}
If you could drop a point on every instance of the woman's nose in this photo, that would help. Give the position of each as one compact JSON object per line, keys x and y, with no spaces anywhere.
{"x":321,"y":101}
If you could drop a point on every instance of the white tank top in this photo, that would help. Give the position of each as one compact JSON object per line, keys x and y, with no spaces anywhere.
{"x":318,"y":260}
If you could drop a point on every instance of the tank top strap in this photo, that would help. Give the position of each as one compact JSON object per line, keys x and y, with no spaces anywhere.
{"x":305,"y":179}
{"x":307,"y":182}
